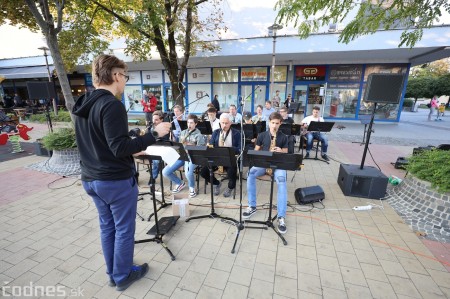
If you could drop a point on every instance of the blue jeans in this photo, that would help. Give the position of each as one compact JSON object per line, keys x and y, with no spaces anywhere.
{"x":169,"y":172}
{"x":116,"y":203}
{"x":323,"y":140}
{"x":155,"y":168}
{"x":280,"y":178}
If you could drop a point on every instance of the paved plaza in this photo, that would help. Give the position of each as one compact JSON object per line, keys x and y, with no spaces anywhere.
{"x":50,"y":243}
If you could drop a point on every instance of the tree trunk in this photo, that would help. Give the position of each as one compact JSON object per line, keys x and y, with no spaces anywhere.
{"x":52,"y":42}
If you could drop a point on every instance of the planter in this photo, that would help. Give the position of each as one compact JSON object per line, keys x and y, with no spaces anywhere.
{"x":65,"y":162}
{"x":40,"y":150}
{"x":422,"y":207}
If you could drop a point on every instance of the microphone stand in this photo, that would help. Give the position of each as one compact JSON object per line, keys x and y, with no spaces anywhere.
{"x":240,"y":224}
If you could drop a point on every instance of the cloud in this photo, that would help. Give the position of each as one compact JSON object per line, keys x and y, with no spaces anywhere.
{"x":26,"y":43}
{"x":229,"y":34}
{"x":239,"y":5}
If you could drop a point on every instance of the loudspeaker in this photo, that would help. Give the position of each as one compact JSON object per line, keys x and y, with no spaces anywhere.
{"x":367,"y":182}
{"x":41,"y":90}
{"x":384,"y":88}
{"x":309,"y":195}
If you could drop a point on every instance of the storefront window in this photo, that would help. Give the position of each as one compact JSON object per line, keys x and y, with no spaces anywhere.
{"x":224,"y":74}
{"x":197,"y":98}
{"x":280,"y":73}
{"x":341,"y":100}
{"x":132,"y":94}
{"x":228,"y":94}
{"x":384,"y":69}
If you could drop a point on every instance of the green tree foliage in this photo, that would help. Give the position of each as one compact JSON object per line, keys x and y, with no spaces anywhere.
{"x":372,"y":15}
{"x":421,"y":87}
{"x":442,"y":85}
{"x":433,"y":69}
{"x":432,"y":166}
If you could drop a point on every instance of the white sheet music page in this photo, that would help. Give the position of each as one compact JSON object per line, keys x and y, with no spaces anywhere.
{"x":168,"y":154}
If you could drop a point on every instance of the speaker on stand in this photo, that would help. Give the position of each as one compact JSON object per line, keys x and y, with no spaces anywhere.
{"x":42,"y":90}
{"x":370,"y":182}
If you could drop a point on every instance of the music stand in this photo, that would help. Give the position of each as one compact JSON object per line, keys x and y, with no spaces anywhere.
{"x":166,"y":222}
{"x":182,"y":123}
{"x":293,"y":108}
{"x":210,"y":157}
{"x":179,"y":148}
{"x":204,"y":127}
{"x":365,"y":120}
{"x":316,"y":126}
{"x":260,"y":126}
{"x":266,"y":159}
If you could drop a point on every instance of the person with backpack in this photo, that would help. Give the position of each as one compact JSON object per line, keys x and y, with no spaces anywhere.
{"x":434,"y":106}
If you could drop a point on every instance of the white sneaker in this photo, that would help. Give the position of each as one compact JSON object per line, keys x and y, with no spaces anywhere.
{"x":179,"y":187}
{"x":192,"y":193}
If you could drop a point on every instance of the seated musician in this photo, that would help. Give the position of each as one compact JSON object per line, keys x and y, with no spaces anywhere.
{"x":205,"y":114}
{"x":228,"y":137}
{"x":286,"y":119}
{"x":190,"y":136}
{"x":259,"y":117}
{"x":275,"y":141}
{"x":157,"y":118}
{"x":178,"y":115}
{"x":212,"y":117}
{"x":318,"y":135}
{"x":235,"y":117}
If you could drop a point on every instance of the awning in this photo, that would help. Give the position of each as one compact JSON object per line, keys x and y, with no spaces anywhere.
{"x":26,"y":72}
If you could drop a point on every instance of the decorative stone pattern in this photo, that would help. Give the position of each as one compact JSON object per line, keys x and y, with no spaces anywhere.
{"x":423,"y":208}
{"x":63,"y":162}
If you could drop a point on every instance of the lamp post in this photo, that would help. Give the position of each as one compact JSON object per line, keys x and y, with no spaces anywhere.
{"x":273,"y":32}
{"x":45,"y":49}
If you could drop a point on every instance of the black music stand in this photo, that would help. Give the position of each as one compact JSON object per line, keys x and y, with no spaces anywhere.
{"x":166,"y":222}
{"x":260,"y":126}
{"x":321,"y":127}
{"x":204,"y":127}
{"x":272,"y":160}
{"x":182,"y":123}
{"x":293,"y":108}
{"x":210,"y":157}
{"x":365,"y":120}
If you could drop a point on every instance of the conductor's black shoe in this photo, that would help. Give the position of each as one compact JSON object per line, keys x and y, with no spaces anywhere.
{"x":306,"y":156}
{"x":249,"y":212}
{"x":137,"y":272}
{"x":325,"y":157}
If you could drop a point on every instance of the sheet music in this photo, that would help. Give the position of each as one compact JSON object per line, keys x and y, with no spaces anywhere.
{"x":168,"y":154}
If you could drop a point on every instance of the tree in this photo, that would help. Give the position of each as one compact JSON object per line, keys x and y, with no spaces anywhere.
{"x":433,"y":69}
{"x":372,"y":15}
{"x":39,"y":16}
{"x":167,"y":25}
{"x":422,"y":87}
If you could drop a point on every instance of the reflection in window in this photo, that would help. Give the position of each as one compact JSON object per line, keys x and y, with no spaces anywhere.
{"x":225,"y":74}
{"x":341,"y":100}
{"x":227,"y":93}
{"x":197,"y":98}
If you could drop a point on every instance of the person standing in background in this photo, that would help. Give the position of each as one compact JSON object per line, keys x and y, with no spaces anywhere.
{"x":216,"y":103}
{"x":276,"y":101}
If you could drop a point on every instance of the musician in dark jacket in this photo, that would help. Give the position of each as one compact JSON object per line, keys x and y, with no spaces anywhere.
{"x":228,"y":137}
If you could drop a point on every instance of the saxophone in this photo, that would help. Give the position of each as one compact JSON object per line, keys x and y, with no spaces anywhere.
{"x":273,"y":143}
{"x":221,"y":143}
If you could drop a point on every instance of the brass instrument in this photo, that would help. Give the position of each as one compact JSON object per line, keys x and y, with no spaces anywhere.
{"x":273,"y":143}
{"x":221,"y":144}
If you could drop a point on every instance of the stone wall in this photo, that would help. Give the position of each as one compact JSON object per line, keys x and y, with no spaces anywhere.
{"x":423,"y":209}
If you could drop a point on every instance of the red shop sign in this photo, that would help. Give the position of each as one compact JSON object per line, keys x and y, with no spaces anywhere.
{"x":310,"y":73}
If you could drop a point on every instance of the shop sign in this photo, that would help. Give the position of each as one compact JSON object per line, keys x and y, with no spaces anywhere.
{"x":254,"y":74}
{"x":310,"y":73}
{"x":345,"y":73}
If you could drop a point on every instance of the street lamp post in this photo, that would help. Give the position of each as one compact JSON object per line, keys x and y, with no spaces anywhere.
{"x":273,"y":32}
{"x":45,"y":49}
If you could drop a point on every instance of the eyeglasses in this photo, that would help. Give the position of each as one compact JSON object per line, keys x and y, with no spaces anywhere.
{"x":126,"y":76}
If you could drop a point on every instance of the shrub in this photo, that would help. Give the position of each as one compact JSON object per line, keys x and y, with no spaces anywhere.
{"x":408,"y":103}
{"x":432,"y":166}
{"x":61,"y":139}
{"x":63,"y":116}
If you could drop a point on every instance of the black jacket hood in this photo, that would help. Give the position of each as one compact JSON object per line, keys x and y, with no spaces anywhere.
{"x":85,"y":102}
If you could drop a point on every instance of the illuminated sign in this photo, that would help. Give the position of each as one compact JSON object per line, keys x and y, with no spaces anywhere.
{"x":310,"y":73}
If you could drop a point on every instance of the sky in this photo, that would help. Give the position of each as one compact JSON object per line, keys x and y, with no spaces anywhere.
{"x":244,"y":18}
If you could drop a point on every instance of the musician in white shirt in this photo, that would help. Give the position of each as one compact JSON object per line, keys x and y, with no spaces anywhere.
{"x":318,"y":135}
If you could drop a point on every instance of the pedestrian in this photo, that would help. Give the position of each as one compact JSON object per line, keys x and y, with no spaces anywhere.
{"x":108,"y":173}
{"x":433,"y":107}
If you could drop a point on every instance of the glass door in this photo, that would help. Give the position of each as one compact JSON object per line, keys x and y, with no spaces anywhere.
{"x":253,"y":95}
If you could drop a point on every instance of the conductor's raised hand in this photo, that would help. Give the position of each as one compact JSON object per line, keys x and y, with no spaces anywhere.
{"x":163,"y":129}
